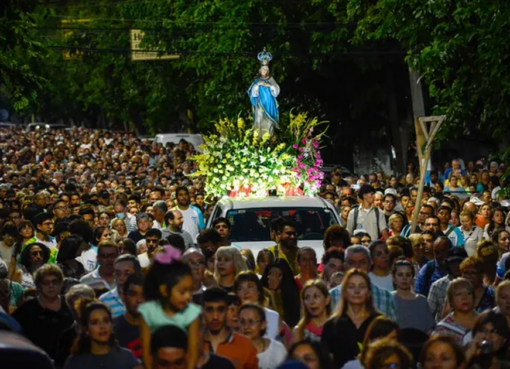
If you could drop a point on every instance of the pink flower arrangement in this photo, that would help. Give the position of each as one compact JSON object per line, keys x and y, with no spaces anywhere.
{"x":308,"y":166}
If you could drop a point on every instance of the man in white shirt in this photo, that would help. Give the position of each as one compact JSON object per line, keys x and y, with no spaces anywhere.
{"x":193,"y":218}
{"x":9,"y":235}
{"x":366,"y":216}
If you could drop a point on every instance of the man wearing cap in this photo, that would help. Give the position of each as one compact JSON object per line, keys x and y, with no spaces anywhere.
{"x":439,"y":289}
{"x":366,"y":216}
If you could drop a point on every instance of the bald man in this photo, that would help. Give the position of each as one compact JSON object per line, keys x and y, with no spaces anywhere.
{"x":174,"y":221}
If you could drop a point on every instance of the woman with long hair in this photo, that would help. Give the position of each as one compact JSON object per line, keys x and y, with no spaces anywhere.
{"x":485,"y":179}
{"x":488,"y":253}
{"x":483,"y":216}
{"x":119,"y":225}
{"x":461,"y":298}
{"x":497,"y":222}
{"x":489,"y":326}
{"x":316,"y":309}
{"x":381,"y":327}
{"x":346,"y":329}
{"x":501,"y":238}
{"x":126,"y":246}
{"x":70,"y":248}
{"x":101,"y":234}
{"x":470,"y":231}
{"x":418,"y":244}
{"x":307,"y":262}
{"x":26,"y":230}
{"x":278,"y":278}
{"x":472,"y":269}
{"x":409,"y":209}
{"x":411,"y":308}
{"x":229,"y":262}
{"x":96,"y":346}
{"x":264,"y":258}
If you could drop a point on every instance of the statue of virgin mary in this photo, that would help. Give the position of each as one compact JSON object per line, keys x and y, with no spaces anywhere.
{"x":263,"y":92}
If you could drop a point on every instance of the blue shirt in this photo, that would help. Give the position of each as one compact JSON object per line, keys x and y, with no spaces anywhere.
{"x":422,"y":285}
{"x":112,"y":299}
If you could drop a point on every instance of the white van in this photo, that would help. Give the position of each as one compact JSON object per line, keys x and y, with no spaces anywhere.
{"x":250,"y":219}
{"x":195,"y":139}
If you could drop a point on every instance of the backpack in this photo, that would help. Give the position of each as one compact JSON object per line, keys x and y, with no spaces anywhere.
{"x":356,"y":212}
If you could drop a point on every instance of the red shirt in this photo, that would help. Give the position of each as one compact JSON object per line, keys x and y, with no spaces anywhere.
{"x":238,"y":349}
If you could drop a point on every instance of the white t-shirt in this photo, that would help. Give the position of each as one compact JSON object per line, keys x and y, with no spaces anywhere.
{"x":353,"y":364}
{"x":273,"y":326}
{"x":88,"y":258}
{"x":5,"y":252}
{"x":273,"y":356}
{"x":144,"y":260}
{"x":382,"y":282}
{"x":190,"y":222}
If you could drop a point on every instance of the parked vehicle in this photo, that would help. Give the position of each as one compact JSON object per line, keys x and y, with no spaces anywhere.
{"x":250,"y":219}
{"x":195,"y":139}
{"x":31,"y":127}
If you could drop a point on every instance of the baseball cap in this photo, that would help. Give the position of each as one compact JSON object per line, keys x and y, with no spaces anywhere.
{"x":456,"y":254}
{"x":475,"y":200}
{"x":390,"y":191}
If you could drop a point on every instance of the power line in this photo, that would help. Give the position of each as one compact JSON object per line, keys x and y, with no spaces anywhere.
{"x":231,"y":53}
{"x":81,"y":5}
{"x":289,"y":24}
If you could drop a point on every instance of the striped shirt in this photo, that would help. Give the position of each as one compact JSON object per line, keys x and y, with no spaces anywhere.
{"x":94,"y":280}
{"x":113,"y":301}
{"x":131,"y":224}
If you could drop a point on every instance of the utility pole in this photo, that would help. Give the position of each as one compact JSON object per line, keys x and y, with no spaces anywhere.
{"x":426,"y":130}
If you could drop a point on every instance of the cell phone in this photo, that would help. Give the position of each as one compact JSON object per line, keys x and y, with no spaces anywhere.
{"x":486,"y":347}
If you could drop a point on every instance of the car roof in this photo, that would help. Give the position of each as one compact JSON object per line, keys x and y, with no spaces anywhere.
{"x":272,"y":202}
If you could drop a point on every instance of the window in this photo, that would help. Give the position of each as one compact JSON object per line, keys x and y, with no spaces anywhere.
{"x":250,"y":225}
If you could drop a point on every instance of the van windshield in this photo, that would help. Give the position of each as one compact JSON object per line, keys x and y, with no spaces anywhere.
{"x":250,"y":225}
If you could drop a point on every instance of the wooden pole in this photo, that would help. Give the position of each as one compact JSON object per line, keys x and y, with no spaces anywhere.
{"x":429,"y":135}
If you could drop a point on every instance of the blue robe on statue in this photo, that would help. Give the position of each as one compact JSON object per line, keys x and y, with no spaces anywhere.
{"x":265,"y":106}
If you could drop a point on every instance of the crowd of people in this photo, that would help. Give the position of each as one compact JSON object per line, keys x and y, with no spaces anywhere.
{"x":106,"y":262}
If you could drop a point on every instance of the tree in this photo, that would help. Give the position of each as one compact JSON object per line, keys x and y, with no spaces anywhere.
{"x":315,"y":64}
{"x":460,"y":48}
{"x":20,"y":51}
